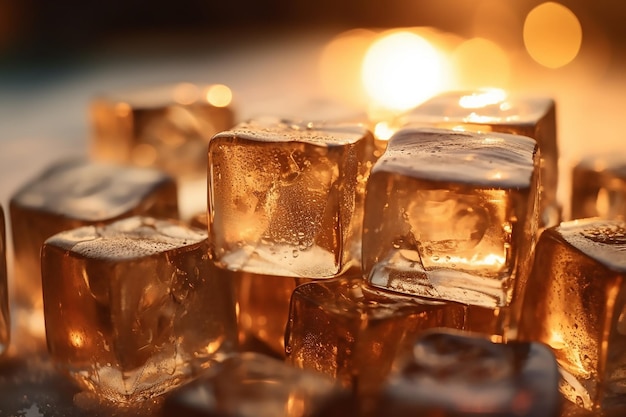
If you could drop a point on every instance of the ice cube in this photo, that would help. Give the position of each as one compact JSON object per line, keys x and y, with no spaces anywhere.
{"x":5,"y":321}
{"x":73,"y":193}
{"x":167,"y":126}
{"x":599,"y":187}
{"x":451,"y":215}
{"x":465,"y":375}
{"x":493,"y":110}
{"x":134,"y":307}
{"x":353,"y":333}
{"x":576,"y":303}
{"x":252,"y":385}
{"x":263,"y":306}
{"x":285,"y":198}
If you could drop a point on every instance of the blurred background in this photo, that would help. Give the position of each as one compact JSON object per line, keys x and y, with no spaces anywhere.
{"x":315,"y":59}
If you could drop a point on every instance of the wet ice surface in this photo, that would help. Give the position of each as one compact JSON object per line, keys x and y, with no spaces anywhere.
{"x":456,"y":210}
{"x":604,"y":241}
{"x":578,"y":308}
{"x":282,"y":197}
{"x":128,"y":238}
{"x":353,"y":333}
{"x":133,"y":308}
{"x":89,"y":191}
{"x":489,"y":160}
{"x":480,"y":107}
{"x":269,"y":129}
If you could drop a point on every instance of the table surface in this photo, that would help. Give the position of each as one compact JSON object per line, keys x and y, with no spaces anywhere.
{"x":45,"y":118}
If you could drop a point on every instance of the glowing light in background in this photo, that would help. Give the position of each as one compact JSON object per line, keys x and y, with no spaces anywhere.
{"x":479,"y":62}
{"x":185,"y":93}
{"x":219,"y":95}
{"x":340,"y":61}
{"x":552,"y":35}
{"x":401,"y":70}
{"x":498,"y":21}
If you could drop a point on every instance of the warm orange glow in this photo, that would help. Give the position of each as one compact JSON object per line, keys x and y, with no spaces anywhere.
{"x":219,"y":95}
{"x":383,"y":131}
{"x":552,"y":35}
{"x":77,"y":338}
{"x":401,"y":70}
{"x":185,"y":93}
{"x":340,"y":60}
{"x":475,"y":260}
{"x":480,"y":62}
{"x":144,"y":155}
{"x":122,"y":109}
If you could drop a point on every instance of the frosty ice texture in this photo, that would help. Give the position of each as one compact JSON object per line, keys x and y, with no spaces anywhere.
{"x":75,"y":193}
{"x":285,"y":198}
{"x":599,"y":187}
{"x":492,"y":110}
{"x":134,"y":307}
{"x":464,"y":375}
{"x":576,"y":303}
{"x":341,"y":328}
{"x":5,"y":321}
{"x":451,"y":215}
{"x":252,"y":385}
{"x":167,"y":127}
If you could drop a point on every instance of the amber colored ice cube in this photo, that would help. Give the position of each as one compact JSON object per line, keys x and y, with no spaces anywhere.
{"x":134,"y":307}
{"x":451,"y":216}
{"x":460,"y":374}
{"x":599,"y":187}
{"x":285,"y":198}
{"x":263,"y":308}
{"x":493,"y":110}
{"x":74,"y":193}
{"x":576,"y":303}
{"x":353,"y":333}
{"x":167,"y":127}
{"x":252,"y":385}
{"x":5,"y":321}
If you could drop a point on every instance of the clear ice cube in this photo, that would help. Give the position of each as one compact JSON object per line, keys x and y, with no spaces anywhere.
{"x":576,"y":303}
{"x":286,"y":198}
{"x":462,"y":374}
{"x":135,"y":307}
{"x":451,"y":215}
{"x":73,"y":193}
{"x":493,"y":110}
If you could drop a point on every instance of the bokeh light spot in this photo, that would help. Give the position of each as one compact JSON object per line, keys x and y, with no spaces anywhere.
{"x":480,"y":62}
{"x":219,"y":95}
{"x":401,"y":70}
{"x":552,"y":35}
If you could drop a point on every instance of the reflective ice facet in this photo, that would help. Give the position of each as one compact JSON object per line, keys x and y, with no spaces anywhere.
{"x":252,"y":385}
{"x":465,"y":375}
{"x":74,"y":193}
{"x":599,"y":187}
{"x":451,"y":215}
{"x":286,"y":198}
{"x":493,"y":110}
{"x":576,"y":303}
{"x":135,"y":307}
{"x":353,"y":333}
